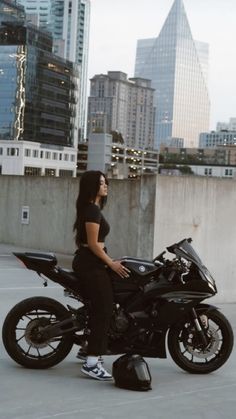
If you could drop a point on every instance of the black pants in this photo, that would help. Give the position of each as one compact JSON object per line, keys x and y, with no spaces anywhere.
{"x":97,"y":287}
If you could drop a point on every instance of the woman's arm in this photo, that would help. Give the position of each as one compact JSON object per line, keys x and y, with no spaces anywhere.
{"x":92,"y":230}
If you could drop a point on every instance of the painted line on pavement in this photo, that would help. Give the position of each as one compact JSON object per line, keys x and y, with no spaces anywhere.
{"x":25,"y":288}
{"x":11,"y":269}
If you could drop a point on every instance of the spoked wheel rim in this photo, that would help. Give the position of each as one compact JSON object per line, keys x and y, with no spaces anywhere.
{"x":25,"y":335}
{"x":193,"y":350}
{"x":190,"y":353}
{"x":29,"y":336}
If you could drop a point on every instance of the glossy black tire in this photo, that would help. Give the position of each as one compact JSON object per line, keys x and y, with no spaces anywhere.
{"x":223,"y":337}
{"x":22,"y":317}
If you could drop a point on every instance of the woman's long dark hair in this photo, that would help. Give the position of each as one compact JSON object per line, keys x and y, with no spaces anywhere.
{"x":88,"y":190}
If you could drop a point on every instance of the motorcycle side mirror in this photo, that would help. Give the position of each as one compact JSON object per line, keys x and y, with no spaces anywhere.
{"x":158,"y":263}
{"x":159,"y":259}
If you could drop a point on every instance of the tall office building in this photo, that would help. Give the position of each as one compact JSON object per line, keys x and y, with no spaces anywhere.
{"x":217,"y":138}
{"x":124,"y":105}
{"x":38,"y":89}
{"x":177,"y":66}
{"x":38,"y":95}
{"x":68,"y":21}
{"x":230,"y":126}
{"x":38,"y":12}
{"x":11,"y":11}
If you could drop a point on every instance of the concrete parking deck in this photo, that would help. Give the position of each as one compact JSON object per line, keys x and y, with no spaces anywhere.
{"x":62,"y":392}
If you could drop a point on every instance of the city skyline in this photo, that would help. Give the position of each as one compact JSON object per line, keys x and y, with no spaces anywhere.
{"x":113,"y":45}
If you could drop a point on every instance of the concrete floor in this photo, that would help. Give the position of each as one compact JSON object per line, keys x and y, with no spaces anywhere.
{"x":62,"y":392}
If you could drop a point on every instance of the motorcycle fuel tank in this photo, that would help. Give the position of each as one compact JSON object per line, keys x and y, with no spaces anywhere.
{"x":139,"y":266}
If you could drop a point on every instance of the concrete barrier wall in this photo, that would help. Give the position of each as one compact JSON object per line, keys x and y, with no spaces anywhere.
{"x":51,"y":201}
{"x":145,"y":216}
{"x":51,"y":212}
{"x":204,"y":209}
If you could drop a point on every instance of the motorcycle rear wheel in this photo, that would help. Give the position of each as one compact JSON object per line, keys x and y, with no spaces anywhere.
{"x":193,"y":357}
{"x":21,"y":333}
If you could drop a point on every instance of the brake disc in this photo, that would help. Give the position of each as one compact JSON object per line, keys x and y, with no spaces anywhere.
{"x":210,"y":349}
{"x":33,"y":335}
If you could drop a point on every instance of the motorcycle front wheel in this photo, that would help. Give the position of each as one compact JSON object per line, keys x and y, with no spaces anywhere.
{"x":22,"y":337}
{"x":190,"y":354}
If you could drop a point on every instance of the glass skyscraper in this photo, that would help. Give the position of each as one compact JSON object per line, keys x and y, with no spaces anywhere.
{"x":178,"y":67}
{"x":38,"y":90}
{"x":68,"y":21}
{"x":13,"y":13}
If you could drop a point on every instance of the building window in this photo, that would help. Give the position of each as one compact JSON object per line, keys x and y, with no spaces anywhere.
{"x":82,"y":166}
{"x":13,"y":151}
{"x":35,"y":153}
{"x":208,"y":172}
{"x":41,"y":154}
{"x":101,"y":90}
{"x":50,"y":172}
{"x":55,"y":156}
{"x":66,"y":157}
{"x":0,"y":170}
{"x":27,"y":152}
{"x":72,"y":157}
{"x":65,"y":173}
{"x":1,"y":151}
{"x":228,"y":172}
{"x":47,"y":155}
{"x":32,"y":171}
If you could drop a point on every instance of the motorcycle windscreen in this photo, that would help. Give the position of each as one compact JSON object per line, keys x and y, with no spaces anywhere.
{"x":185,"y":250}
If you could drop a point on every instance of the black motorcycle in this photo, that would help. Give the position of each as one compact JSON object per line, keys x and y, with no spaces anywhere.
{"x":160,"y":298}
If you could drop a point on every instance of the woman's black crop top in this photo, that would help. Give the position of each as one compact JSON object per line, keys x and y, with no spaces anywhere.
{"x":92,"y":214}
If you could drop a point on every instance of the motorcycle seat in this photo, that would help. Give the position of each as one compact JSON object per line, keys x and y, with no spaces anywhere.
{"x":69,"y":277}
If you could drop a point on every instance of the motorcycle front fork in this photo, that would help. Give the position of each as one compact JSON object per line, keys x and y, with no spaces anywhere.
{"x":198,"y":326}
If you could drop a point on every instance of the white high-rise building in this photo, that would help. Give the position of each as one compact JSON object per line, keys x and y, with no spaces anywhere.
{"x":38,"y":11}
{"x":122,"y":105}
{"x":203,"y":55}
{"x":178,"y":67}
{"x":229,"y":126}
{"x":68,"y":21}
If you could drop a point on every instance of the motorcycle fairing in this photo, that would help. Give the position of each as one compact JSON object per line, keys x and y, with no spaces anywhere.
{"x":38,"y":262}
{"x":204,"y":308}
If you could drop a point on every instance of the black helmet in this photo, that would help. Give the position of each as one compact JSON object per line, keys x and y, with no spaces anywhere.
{"x":132,"y":372}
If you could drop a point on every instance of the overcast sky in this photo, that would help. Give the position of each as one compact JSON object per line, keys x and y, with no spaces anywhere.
{"x":117,"y":24}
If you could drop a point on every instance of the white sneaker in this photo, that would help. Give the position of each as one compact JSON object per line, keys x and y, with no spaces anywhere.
{"x":96,"y":371}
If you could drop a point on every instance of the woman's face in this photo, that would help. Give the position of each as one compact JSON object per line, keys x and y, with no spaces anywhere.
{"x":103,"y":188}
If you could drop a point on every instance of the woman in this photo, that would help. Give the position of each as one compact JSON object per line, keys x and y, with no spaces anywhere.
{"x":91,"y":262}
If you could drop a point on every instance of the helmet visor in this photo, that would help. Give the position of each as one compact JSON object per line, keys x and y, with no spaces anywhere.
{"x":142,"y":372}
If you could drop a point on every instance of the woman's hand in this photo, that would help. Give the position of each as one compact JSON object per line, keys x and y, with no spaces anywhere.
{"x":120,"y":269}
